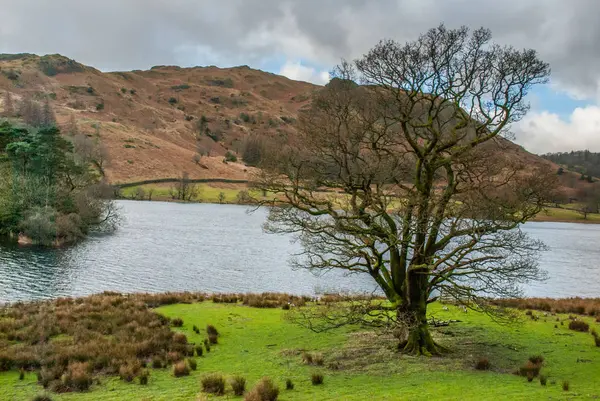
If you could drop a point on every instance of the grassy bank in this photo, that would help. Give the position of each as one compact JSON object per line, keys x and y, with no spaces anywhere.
{"x":357,"y":364}
{"x":234,"y":194}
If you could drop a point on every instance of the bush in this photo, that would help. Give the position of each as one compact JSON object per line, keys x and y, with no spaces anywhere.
{"x":315,"y":358}
{"x":77,"y":377}
{"x":316,"y":379}
{"x":21,"y":374}
{"x":207,"y":344}
{"x":536,"y":359}
{"x":238,"y":384}
{"x":230,"y":157}
{"x":179,"y":338}
{"x":289,"y":384}
{"x":172,"y":100}
{"x":177,"y":322}
{"x":265,"y":390}
{"x":210,"y":329}
{"x":565,"y":385}
{"x":195,"y":329}
{"x":129,"y":371}
{"x":530,"y":369}
{"x":157,"y":362}
{"x":192,"y":363}
{"x":199,"y":350}
{"x":181,"y":369}
{"x":100,"y":106}
{"x":213,"y":384}
{"x":482,"y":364}
{"x":579,"y":325}
{"x":543,"y":380}
{"x":213,"y":339}
{"x":144,"y":377}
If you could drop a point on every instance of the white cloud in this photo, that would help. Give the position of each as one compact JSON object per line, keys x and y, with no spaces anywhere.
{"x":299,"y":72}
{"x":542,"y":132}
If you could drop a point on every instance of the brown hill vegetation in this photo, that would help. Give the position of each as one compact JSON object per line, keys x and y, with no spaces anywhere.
{"x":153,"y":123}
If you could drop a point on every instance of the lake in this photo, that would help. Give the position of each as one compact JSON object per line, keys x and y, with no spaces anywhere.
{"x":222,"y":248}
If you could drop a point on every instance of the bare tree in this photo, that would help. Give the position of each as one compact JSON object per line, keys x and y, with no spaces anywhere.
{"x":184,"y":189}
{"x":48,"y":117}
{"x":31,"y":112}
{"x":404,"y":178}
{"x":71,"y":128}
{"x":9,"y":108}
{"x":590,"y":198}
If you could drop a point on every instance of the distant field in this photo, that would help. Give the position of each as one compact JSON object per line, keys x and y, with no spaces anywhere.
{"x":261,"y":342}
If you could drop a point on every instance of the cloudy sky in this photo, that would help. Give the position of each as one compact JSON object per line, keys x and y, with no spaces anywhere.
{"x":303,"y":39}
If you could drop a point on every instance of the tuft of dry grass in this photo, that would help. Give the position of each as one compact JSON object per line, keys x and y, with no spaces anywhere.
{"x":114,"y":334}
{"x":579,"y":306}
{"x":566,"y":385}
{"x":181,"y":369}
{"x":213,"y":384}
{"x":238,"y":384}
{"x":264,"y":390}
{"x":579,"y":325}
{"x":289,"y":384}
{"x":482,"y":364}
{"x":316,"y":379}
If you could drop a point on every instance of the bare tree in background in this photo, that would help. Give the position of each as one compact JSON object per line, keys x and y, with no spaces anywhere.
{"x":48,"y":117}
{"x":404,"y":178}
{"x":184,"y":189}
{"x":9,"y":108}
{"x":31,"y":112}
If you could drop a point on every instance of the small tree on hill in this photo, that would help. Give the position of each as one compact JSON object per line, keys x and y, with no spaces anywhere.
{"x":560,"y":171}
{"x":429,"y":202}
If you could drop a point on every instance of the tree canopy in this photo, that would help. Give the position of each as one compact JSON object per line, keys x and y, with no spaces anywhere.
{"x":49,"y":192}
{"x":400,"y":172}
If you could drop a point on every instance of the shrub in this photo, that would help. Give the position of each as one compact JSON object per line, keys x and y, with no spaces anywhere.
{"x":536,"y":359}
{"x":230,"y":157}
{"x":315,"y":358}
{"x":157,"y":362}
{"x":307,"y":358}
{"x":199,"y":350}
{"x":100,"y":106}
{"x":565,"y":385}
{"x":597,"y":341}
{"x":316,"y":379}
{"x":181,"y":369}
{"x":144,"y":377}
{"x":482,"y":364}
{"x":123,"y":90}
{"x":213,"y":339}
{"x":180,"y":87}
{"x":179,"y":338}
{"x":289,"y":384}
{"x":174,"y":356}
{"x":207,"y":344}
{"x":543,"y":380}
{"x":213,"y":384}
{"x":21,"y":374}
{"x":265,"y":390}
{"x":196,"y":329}
{"x":238,"y":384}
{"x":177,"y":322}
{"x":129,"y":371}
{"x":210,"y":329}
{"x":530,"y":369}
{"x":192,"y":363}
{"x":579,"y":325}
{"x":132,"y":91}
{"x":77,"y":377}
{"x":172,"y":100}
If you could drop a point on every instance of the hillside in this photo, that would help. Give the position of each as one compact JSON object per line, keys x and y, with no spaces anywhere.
{"x":148,"y":120}
{"x":151,"y":122}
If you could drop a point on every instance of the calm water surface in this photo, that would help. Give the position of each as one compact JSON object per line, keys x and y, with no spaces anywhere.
{"x":221,"y":248}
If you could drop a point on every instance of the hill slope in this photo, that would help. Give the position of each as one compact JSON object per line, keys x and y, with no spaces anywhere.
{"x":149,"y":120}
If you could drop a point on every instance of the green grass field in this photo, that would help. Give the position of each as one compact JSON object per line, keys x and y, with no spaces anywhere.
{"x":261,"y":342}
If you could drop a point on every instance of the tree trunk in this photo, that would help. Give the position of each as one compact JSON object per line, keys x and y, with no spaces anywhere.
{"x":413,"y":313}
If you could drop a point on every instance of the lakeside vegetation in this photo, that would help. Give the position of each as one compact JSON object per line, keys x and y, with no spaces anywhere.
{"x":50,"y":192}
{"x":355,"y":363}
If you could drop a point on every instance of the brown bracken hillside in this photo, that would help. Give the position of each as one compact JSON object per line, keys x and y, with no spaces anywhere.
{"x":152,"y":122}
{"x":148,"y":120}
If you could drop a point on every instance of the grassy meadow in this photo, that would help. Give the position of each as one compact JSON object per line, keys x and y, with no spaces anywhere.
{"x":356,"y":364}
